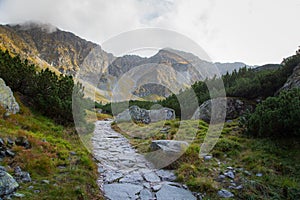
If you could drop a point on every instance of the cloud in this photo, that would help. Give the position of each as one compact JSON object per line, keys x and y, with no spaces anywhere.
{"x":252,"y":31}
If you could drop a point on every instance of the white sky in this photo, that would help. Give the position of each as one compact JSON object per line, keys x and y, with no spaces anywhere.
{"x":251,"y":31}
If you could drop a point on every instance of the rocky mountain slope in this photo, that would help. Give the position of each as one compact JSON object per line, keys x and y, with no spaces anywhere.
{"x":49,"y":45}
{"x":168,"y":71}
{"x":229,"y":67}
{"x":293,"y":80}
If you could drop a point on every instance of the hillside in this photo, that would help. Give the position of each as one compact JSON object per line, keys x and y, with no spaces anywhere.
{"x":58,"y":165}
{"x":39,"y":145}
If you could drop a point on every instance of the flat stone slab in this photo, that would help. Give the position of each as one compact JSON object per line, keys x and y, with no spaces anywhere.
{"x":122,"y":191}
{"x":132,"y":178}
{"x":112,"y":176}
{"x":145,"y":194}
{"x":151,"y":177}
{"x":168,"y":192}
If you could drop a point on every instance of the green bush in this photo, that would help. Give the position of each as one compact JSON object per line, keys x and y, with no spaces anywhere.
{"x":276,"y":116}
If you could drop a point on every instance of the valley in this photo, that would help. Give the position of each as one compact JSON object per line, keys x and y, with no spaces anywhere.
{"x":77,"y":122}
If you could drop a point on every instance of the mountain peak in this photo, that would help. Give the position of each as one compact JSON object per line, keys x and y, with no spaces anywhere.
{"x":30,"y":25}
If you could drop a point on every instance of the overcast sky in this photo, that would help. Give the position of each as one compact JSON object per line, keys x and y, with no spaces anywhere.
{"x":251,"y":31}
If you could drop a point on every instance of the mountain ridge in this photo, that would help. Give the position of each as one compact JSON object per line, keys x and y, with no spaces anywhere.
{"x":66,"y":53}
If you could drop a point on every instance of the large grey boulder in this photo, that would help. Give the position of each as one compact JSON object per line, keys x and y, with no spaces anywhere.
{"x":7,"y":183}
{"x":140,"y":115}
{"x":225,"y":109}
{"x":162,"y":114}
{"x":168,"y":192}
{"x":7,"y":99}
{"x":123,"y":116}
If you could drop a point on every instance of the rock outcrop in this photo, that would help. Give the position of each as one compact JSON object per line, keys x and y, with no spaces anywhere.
{"x":7,"y":99}
{"x":234,"y":108}
{"x":293,"y":81}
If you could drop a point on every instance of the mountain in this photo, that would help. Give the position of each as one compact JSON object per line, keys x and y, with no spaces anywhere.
{"x":167,"y":72}
{"x":47,"y":44}
{"x":61,"y":51}
{"x":267,"y":67}
{"x":229,"y":67}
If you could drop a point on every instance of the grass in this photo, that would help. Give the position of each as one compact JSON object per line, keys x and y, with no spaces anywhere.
{"x":56,"y":155}
{"x":278,"y":160}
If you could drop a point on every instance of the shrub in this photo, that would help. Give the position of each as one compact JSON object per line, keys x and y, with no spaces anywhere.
{"x":276,"y":116}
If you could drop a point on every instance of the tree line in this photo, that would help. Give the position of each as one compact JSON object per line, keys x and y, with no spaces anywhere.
{"x":46,"y":92}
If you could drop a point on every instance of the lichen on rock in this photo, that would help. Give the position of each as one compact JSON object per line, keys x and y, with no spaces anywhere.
{"x":7,"y":99}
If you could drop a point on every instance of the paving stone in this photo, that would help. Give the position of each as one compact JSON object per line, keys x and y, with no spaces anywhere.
{"x":168,"y":192}
{"x":151,"y":177}
{"x":121,"y":191}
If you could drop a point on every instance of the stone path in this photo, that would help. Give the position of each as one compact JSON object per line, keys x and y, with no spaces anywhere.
{"x":125,"y":174}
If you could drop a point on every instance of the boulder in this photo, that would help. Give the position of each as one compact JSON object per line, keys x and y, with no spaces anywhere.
{"x":140,"y":115}
{"x":162,"y":114}
{"x":7,"y":183}
{"x":172,"y":146}
{"x":234,"y":108}
{"x":7,"y":99}
{"x":123,"y":116}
